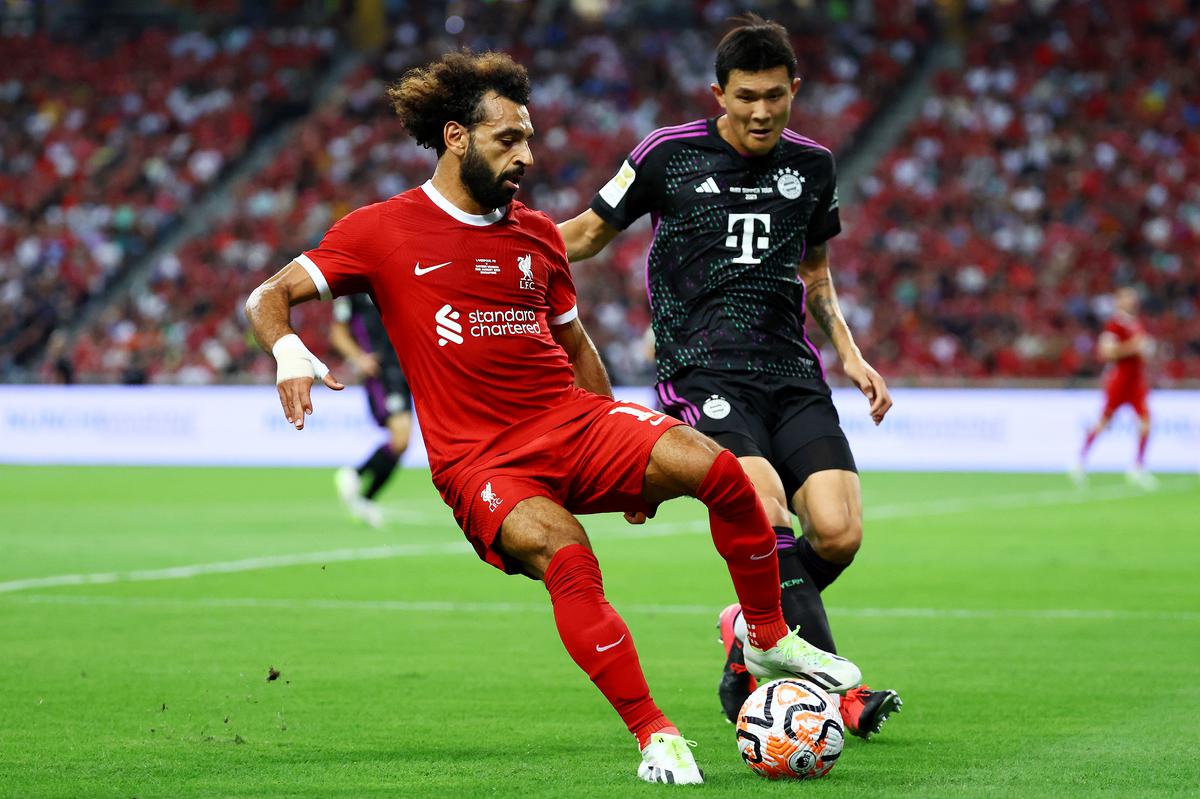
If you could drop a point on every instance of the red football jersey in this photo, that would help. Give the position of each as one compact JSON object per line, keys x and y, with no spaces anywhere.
{"x":1130,"y":369}
{"x":467,"y":301}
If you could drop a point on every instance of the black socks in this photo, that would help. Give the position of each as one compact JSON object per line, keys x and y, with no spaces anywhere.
{"x":801,"y":598}
{"x":823,"y":572}
{"x":379,"y":467}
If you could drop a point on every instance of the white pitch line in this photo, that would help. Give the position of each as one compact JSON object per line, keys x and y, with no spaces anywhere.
{"x":917,"y":509}
{"x":303,"y":559}
{"x":1052,"y":614}
{"x":231,"y":566}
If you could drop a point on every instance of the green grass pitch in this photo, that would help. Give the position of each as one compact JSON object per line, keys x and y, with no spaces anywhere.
{"x":1045,"y":641}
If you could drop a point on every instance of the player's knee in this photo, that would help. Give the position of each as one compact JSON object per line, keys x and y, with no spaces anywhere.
{"x":539,"y":546}
{"x":538,"y":560}
{"x":837,"y":538}
{"x":777,"y":512}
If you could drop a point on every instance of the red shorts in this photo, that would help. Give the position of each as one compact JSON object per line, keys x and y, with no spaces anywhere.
{"x":1121,"y":392}
{"x":593,"y":463}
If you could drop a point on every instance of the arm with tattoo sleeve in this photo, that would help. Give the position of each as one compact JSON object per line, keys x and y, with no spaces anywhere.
{"x":822,"y":304}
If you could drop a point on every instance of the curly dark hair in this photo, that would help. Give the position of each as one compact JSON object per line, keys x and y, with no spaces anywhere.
{"x":450,"y":90}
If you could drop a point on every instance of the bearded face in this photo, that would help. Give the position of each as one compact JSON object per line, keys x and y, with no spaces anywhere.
{"x":490,"y":188}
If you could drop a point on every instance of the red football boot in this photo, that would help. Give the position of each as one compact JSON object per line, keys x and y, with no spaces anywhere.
{"x":864,"y":711}
{"x":736,"y":682}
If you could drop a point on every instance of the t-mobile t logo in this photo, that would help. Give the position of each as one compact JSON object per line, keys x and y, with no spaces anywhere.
{"x":749,"y":241}
{"x":447,"y":328}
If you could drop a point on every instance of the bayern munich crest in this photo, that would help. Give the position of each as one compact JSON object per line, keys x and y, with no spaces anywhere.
{"x":789,"y":183}
{"x":716,"y":407}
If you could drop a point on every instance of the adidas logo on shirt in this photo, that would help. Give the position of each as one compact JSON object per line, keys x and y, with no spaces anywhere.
{"x":709,"y":186}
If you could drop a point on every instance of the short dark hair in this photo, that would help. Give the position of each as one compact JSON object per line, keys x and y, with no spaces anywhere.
{"x":451,"y":90}
{"x":755,"y":45}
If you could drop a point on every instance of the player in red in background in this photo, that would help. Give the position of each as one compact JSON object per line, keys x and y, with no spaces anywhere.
{"x":1124,"y":346}
{"x":522,"y":432}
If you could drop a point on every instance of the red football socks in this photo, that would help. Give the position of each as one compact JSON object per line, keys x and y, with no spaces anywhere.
{"x":598,"y":641}
{"x":744,"y":537}
{"x":661,"y":724}
{"x":1143,"y":439}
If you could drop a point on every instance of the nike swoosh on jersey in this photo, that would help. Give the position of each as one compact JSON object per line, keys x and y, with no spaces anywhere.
{"x":760,"y":557}
{"x":610,"y":646}
{"x":419,"y":271}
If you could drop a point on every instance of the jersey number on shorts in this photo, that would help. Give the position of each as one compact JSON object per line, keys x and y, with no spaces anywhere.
{"x":642,"y":414}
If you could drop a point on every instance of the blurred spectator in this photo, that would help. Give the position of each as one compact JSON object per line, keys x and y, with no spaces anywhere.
{"x":104,"y":143}
{"x":596,"y":95}
{"x":1062,"y":161}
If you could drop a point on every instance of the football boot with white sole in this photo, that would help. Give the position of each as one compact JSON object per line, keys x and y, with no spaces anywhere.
{"x":668,"y":759}
{"x":792,"y":656}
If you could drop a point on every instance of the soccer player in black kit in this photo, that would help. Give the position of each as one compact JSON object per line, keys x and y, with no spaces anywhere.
{"x":358,"y":335}
{"x":743,"y":209}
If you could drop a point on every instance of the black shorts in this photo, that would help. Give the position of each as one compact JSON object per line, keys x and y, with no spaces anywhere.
{"x":790,"y":421}
{"x":387,"y":396}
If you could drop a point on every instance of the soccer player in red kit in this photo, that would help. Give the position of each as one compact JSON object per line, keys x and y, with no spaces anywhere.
{"x":1124,"y":345}
{"x":522,"y":432}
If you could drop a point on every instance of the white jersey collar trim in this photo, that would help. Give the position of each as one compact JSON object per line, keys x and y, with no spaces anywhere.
{"x":478,"y":220}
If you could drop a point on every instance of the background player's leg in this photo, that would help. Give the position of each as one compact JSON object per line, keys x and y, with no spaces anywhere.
{"x":1078,"y":473}
{"x":554,"y":548}
{"x":829,"y":504}
{"x":1138,"y":474}
{"x":379,"y":467}
{"x":1143,"y":440}
{"x":800,"y":596}
{"x":1090,"y":438}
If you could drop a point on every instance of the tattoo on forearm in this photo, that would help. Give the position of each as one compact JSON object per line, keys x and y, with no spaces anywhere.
{"x":822,"y":304}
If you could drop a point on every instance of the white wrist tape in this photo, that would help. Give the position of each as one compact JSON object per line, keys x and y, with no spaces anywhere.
{"x":294,"y":360}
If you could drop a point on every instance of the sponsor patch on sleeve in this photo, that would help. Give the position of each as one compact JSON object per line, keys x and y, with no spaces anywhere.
{"x":614,"y":191}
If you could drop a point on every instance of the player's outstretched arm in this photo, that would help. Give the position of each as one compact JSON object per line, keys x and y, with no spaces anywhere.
{"x":590,"y":373}
{"x":586,"y":235}
{"x":268,"y":311}
{"x":823,"y":306}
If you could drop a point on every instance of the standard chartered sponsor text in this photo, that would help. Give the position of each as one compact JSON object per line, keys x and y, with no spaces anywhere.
{"x":508,"y":322}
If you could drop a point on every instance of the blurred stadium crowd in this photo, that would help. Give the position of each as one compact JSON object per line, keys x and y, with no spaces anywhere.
{"x":1061,"y":159}
{"x":106,"y":143}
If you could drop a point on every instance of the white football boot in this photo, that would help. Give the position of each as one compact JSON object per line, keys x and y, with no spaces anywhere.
{"x":1141,"y":478}
{"x":668,"y":759}
{"x":370,"y":513}
{"x":349,"y":489}
{"x":795,"y":657}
